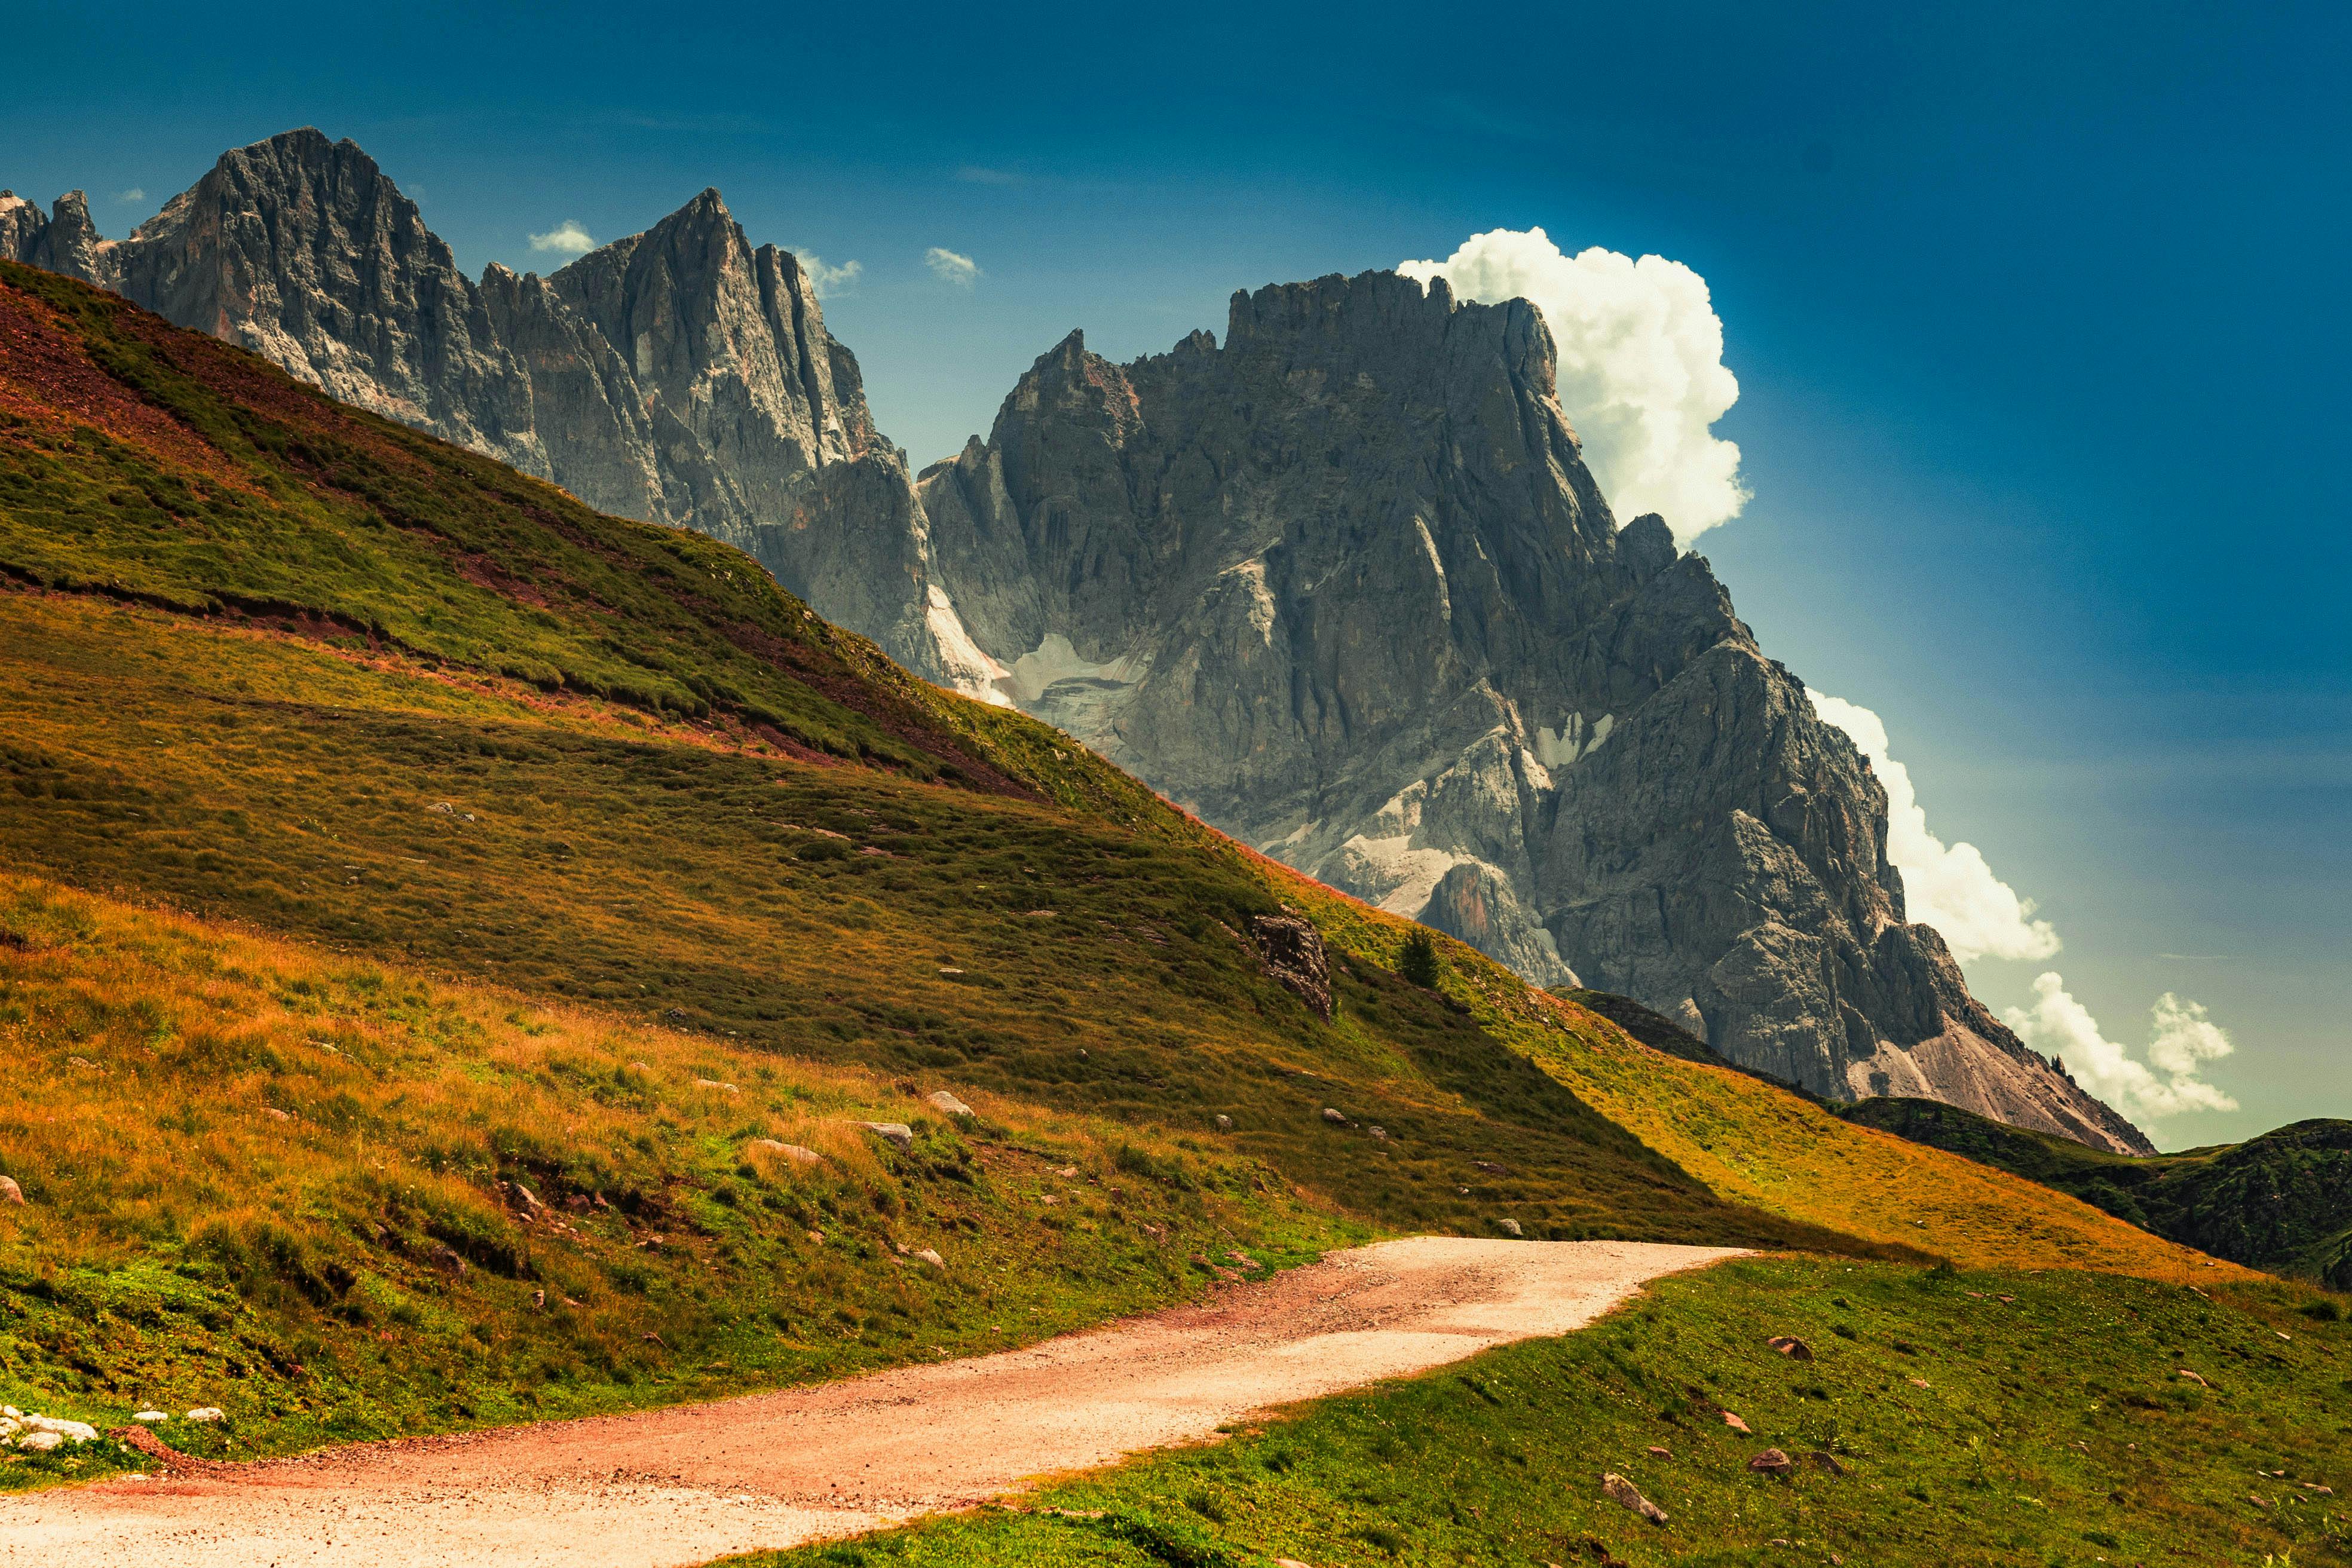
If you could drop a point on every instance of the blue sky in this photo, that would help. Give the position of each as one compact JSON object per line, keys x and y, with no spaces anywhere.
{"x":2037,"y":313}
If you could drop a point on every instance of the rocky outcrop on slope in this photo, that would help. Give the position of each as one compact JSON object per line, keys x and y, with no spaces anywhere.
{"x":680,"y":376}
{"x":1343,"y":586}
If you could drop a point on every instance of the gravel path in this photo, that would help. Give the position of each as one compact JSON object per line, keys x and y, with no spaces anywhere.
{"x":689,"y":1484}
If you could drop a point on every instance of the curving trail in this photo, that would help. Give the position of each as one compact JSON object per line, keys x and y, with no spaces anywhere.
{"x":689,"y":1484}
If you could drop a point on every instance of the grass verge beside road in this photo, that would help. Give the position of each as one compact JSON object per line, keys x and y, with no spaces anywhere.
{"x":2032,"y":1419}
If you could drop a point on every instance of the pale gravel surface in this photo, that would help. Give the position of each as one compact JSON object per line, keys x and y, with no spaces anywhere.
{"x":690,"y":1484}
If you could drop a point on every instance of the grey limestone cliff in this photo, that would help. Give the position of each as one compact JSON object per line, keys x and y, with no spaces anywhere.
{"x":1344,"y":585}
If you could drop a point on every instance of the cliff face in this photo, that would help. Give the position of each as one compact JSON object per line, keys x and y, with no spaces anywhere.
{"x":677,"y":376}
{"x":1344,"y":587}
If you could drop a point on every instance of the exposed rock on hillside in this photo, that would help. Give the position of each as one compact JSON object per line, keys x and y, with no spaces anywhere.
{"x":677,"y":376}
{"x":1344,"y":587}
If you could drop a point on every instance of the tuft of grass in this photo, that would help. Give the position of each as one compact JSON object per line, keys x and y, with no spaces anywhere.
{"x":1973,"y":1417}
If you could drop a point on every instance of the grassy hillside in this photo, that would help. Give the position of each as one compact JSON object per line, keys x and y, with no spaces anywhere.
{"x":2281,"y":1202}
{"x":341,"y":1200}
{"x":469,"y":800}
{"x":2035,"y":1420}
{"x":1755,"y":1142}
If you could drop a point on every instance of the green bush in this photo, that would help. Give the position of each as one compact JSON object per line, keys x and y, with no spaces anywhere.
{"x":1419,"y":962}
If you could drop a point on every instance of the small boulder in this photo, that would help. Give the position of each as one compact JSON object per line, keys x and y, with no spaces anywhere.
{"x":931,"y":1258}
{"x":1225,"y":1124}
{"x":58,"y":1426}
{"x":151,"y":1417}
{"x":1827,"y":1462}
{"x":1735,"y":1422}
{"x":40,"y":1442}
{"x":1509,"y":1226}
{"x":713,"y":1083}
{"x":896,"y":1132}
{"x":1489,"y":1168}
{"x":1771,"y":1462}
{"x":1628,"y":1496}
{"x":2191,"y":1377}
{"x":10,"y":1193}
{"x":1379,"y":1134}
{"x":947,"y":1104}
{"x":1658,"y":1453}
{"x":792,"y":1152}
{"x":1792,"y":1347}
{"x":1334,"y":1116}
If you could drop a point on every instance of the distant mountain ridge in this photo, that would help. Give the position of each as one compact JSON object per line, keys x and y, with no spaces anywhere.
{"x":1343,"y":584}
{"x":679,"y":377}
{"x":2281,"y":1202}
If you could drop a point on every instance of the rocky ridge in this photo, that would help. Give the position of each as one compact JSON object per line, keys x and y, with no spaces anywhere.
{"x":1344,"y":587}
{"x":680,"y":375}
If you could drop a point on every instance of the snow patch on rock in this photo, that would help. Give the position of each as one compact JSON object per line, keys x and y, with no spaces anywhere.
{"x":969,"y":670}
{"x":1056,"y":658}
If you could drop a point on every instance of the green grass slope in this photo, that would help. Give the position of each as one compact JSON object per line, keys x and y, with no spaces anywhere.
{"x":2282,"y":1202}
{"x":341,"y":1200}
{"x":2035,"y":1420}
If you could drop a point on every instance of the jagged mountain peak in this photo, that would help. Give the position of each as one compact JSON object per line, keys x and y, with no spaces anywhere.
{"x":678,"y":376}
{"x":1345,"y":587}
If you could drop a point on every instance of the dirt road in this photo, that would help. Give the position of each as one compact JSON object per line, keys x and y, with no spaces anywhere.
{"x":686,"y":1485}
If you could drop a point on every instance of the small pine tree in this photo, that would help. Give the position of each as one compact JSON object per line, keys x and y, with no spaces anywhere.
{"x":1419,"y":961}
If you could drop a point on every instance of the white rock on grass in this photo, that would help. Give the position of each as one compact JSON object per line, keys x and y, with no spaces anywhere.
{"x":207,"y":1413}
{"x":896,"y":1132}
{"x":947,"y":1104}
{"x":10,"y":1193}
{"x":792,"y":1152}
{"x":70,"y":1431}
{"x":40,"y":1442}
{"x":151,"y":1416}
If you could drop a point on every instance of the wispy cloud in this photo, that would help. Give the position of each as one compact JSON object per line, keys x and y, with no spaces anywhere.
{"x":133,"y":194}
{"x":961,"y":271}
{"x":2181,"y":1039}
{"x":1948,"y":886}
{"x":829,"y":280}
{"x":566,"y":239}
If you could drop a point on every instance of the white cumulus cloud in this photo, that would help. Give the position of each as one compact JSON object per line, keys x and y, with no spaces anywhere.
{"x":948,"y":267}
{"x":1948,"y":886}
{"x":566,"y":239}
{"x":1642,"y":376}
{"x":2181,"y":1040}
{"x":133,"y":194}
{"x":829,"y":280}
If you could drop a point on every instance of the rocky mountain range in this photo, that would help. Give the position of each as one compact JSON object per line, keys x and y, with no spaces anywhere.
{"x":1341,"y":583}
